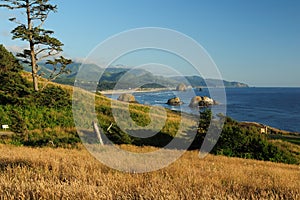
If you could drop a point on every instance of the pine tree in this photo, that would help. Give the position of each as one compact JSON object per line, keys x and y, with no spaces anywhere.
{"x":41,"y":43}
{"x":8,"y":61}
{"x":13,"y":87}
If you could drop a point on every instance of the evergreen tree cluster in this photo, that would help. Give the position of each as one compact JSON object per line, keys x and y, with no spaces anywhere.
{"x":13,"y":87}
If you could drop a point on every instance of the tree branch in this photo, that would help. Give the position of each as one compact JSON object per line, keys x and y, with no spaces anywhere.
{"x":13,"y":19}
{"x":42,"y":50}
{"x":49,"y":54}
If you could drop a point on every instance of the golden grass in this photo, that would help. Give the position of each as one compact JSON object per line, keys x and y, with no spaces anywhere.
{"x":43,"y":82}
{"x":45,"y":173}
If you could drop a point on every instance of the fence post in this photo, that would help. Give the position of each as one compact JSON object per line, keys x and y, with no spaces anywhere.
{"x":96,"y":130}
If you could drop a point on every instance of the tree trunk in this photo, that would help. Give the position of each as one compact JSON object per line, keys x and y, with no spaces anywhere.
{"x":32,"y":51}
{"x":34,"y":71}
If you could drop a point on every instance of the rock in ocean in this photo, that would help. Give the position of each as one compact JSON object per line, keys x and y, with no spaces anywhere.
{"x":199,"y":101}
{"x":174,"y":101}
{"x":127,"y":98}
{"x":181,"y":87}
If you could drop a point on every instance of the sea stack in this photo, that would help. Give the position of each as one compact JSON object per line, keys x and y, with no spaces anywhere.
{"x":174,"y":101}
{"x":199,"y":101}
{"x":181,"y":87}
{"x":127,"y":98}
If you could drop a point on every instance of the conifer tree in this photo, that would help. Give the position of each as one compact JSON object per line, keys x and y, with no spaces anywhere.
{"x":42,"y":45}
{"x":13,"y":87}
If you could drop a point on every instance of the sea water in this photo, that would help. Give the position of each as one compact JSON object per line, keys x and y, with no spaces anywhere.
{"x":276,"y":107}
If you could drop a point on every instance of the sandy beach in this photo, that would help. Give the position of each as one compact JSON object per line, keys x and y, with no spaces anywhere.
{"x":137,"y":90}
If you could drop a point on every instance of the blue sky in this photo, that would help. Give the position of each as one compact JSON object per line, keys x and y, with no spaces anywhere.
{"x":256,"y":42}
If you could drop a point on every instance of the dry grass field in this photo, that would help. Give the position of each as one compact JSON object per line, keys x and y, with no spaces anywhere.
{"x":46,"y":173}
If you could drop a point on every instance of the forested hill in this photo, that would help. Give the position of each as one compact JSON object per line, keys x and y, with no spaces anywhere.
{"x":112,"y":75}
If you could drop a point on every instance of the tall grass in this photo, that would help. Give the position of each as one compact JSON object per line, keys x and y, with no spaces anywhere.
{"x":46,"y":173}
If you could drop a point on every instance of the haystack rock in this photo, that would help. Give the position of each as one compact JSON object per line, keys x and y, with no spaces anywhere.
{"x":202,"y":101}
{"x":181,"y":87}
{"x":195,"y":101}
{"x":127,"y":98}
{"x":174,"y":101}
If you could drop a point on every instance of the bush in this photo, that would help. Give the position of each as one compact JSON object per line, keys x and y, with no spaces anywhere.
{"x":52,"y":97}
{"x":56,"y":137}
{"x":237,"y":141}
{"x":18,"y":124}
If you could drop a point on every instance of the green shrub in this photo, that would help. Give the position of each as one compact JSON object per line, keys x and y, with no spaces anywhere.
{"x":57,"y":137}
{"x":237,"y":141}
{"x":52,"y":97}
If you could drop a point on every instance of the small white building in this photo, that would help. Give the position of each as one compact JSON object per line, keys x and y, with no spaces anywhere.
{"x":264,"y":130}
{"x":5,"y":126}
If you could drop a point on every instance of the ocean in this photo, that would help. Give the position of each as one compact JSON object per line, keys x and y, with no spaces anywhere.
{"x":276,"y":107}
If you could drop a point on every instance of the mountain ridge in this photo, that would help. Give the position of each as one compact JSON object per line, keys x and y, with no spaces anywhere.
{"x":130,"y":77}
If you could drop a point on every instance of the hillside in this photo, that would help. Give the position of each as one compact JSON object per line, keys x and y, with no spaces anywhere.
{"x":112,"y":75}
{"x":196,"y":81}
{"x":53,"y":126}
{"x":45,"y":159}
{"x":46,"y":173}
{"x":45,"y":118}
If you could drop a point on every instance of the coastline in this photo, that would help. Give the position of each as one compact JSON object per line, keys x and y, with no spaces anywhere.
{"x":253,"y":122}
{"x":270,"y":128}
{"x":137,"y":90}
{"x":140,"y":90}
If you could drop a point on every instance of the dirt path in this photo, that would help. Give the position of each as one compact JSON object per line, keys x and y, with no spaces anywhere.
{"x":2,"y":133}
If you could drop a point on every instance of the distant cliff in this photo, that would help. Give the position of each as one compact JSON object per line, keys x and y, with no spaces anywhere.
{"x":197,"y":81}
{"x":131,"y":78}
